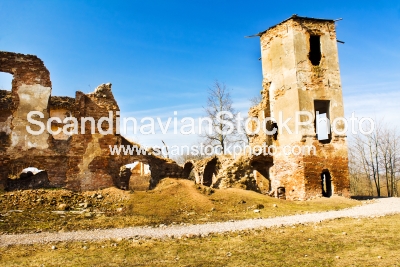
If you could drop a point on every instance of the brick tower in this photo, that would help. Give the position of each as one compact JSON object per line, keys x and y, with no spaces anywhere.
{"x":300,"y":69}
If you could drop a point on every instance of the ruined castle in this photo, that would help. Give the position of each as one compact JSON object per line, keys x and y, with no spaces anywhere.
{"x":300,"y":73}
{"x":300,"y":70}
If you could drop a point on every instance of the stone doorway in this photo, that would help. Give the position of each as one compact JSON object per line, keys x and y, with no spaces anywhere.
{"x":326,"y":183}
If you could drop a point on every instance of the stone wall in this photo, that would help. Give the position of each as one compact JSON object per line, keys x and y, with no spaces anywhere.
{"x":81,"y":161}
{"x":224,"y":171}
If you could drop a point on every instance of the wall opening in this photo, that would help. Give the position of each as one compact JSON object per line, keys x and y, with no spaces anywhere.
{"x":209,"y":172}
{"x":281,"y":192}
{"x":188,"y":171}
{"x":315,"y":50}
{"x":322,"y":124}
{"x":140,"y":176}
{"x":261,"y":175}
{"x":270,"y":127}
{"x":28,"y":178}
{"x":275,"y":135}
{"x":6,"y":81}
{"x":326,"y":184}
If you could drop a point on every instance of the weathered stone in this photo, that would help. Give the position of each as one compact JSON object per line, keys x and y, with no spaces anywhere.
{"x":300,"y":73}
{"x":63,"y":207}
{"x":81,"y":161}
{"x":293,"y":81}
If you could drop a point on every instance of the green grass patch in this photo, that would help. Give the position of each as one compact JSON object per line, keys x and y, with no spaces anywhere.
{"x":340,"y":242}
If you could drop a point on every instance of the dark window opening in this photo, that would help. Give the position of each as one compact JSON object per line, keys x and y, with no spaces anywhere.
{"x":209,"y":172}
{"x":188,"y":171}
{"x":315,"y":50}
{"x":281,"y":192}
{"x":28,"y":178}
{"x":272,"y":126}
{"x":275,"y":126}
{"x":322,"y":121}
{"x":326,"y":183}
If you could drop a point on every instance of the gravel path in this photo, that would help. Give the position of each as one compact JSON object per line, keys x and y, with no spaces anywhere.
{"x":379,"y":207}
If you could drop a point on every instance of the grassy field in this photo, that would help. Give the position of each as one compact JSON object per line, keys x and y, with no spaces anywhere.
{"x":173,"y":201}
{"x":341,"y":242}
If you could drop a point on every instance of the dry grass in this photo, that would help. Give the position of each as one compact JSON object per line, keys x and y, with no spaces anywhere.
{"x":362,"y":242}
{"x":172,"y":201}
{"x":139,"y":182}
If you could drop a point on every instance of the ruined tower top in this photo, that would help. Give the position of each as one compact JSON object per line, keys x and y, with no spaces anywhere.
{"x":300,"y":68}
{"x":298,"y":18}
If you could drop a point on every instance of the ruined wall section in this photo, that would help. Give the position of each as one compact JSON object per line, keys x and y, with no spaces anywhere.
{"x":244,"y":172}
{"x":81,"y":161}
{"x":6,"y":108}
{"x":240,"y":172}
{"x":90,"y":153}
{"x":31,"y":89}
{"x":26,"y":70}
{"x":159,"y":167}
{"x":279,"y":73}
{"x":202,"y":176}
{"x":261,"y":111}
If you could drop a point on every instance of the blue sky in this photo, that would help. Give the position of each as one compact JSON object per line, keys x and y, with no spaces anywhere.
{"x":162,"y":56}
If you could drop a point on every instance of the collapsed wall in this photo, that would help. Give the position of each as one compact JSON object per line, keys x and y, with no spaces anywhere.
{"x":225,"y":171}
{"x":81,"y":161}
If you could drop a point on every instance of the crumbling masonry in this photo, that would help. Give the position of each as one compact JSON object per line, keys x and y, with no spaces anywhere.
{"x":78,"y":162}
{"x":300,"y":73}
{"x":300,"y":70}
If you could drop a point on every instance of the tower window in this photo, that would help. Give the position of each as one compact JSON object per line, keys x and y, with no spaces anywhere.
{"x":315,"y":50}
{"x":322,"y":121}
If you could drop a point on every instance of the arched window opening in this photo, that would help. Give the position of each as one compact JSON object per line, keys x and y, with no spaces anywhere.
{"x":261,"y":175}
{"x":28,"y":178}
{"x":210,"y":171}
{"x":140,"y":176}
{"x":188,"y":171}
{"x":326,"y":184}
{"x":6,"y":81}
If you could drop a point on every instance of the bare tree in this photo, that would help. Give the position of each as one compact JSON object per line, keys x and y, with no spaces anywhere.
{"x":376,"y":155}
{"x":360,"y":182}
{"x":389,"y":150}
{"x":219,"y":100}
{"x":368,"y":147}
{"x":181,"y":159}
